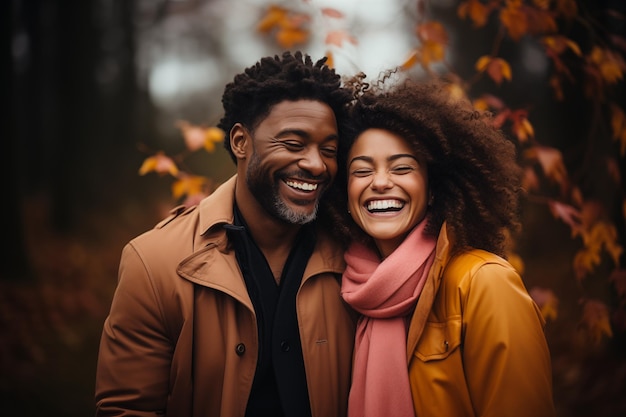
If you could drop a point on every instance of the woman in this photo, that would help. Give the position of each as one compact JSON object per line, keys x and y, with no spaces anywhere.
{"x":447,"y":326}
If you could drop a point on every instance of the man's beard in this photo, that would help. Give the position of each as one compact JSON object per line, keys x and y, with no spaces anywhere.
{"x":265,"y":190}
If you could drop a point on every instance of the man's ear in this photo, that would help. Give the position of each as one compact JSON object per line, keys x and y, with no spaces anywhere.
{"x":239,"y":138}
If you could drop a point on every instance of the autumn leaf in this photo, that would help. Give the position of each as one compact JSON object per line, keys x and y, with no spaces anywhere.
{"x":432,"y":31}
{"x":431,"y":52}
{"x":475,"y":10}
{"x":568,"y":214}
{"x":547,"y":302}
{"x":337,"y":38}
{"x":551,"y":161}
{"x":273,"y":18}
{"x":188,"y":185}
{"x":585,"y":261}
{"x":411,"y":60}
{"x":497,"y":68}
{"x":603,"y":235}
{"x":514,"y":20}
{"x":522,"y":128}
{"x":595,"y":320}
{"x":159,"y":163}
{"x":540,"y":21}
{"x":212,"y":136}
{"x":610,"y":65}
{"x":330,"y":59}
{"x":288,"y":37}
{"x":559,"y":44}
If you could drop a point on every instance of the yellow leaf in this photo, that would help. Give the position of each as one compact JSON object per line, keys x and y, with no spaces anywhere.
{"x":432,"y":52}
{"x":189,"y":185}
{"x":475,"y":10}
{"x":410,"y":61}
{"x":337,"y":37}
{"x":585,"y":260}
{"x":596,"y":320}
{"x":212,"y":135}
{"x":482,"y":63}
{"x":159,"y":163}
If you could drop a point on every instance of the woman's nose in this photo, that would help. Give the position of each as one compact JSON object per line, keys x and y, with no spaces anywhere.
{"x":381,"y":181}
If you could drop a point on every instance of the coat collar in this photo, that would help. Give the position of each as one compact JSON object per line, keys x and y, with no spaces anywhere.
{"x":427,"y":297}
{"x":213,"y":262}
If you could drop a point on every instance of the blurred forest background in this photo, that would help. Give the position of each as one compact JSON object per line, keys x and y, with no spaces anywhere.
{"x":94,"y":88}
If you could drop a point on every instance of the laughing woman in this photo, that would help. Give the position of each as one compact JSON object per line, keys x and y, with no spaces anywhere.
{"x":447,"y":327}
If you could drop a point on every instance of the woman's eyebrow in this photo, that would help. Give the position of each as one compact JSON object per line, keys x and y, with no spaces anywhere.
{"x":369,"y":159}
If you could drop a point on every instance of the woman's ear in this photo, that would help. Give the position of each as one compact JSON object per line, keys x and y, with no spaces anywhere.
{"x":239,"y":141}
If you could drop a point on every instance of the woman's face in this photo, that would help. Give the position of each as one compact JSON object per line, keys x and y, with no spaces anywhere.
{"x":387,"y":187}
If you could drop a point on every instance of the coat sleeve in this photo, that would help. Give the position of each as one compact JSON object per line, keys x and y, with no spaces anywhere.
{"x":506,"y":357}
{"x":135,"y":351}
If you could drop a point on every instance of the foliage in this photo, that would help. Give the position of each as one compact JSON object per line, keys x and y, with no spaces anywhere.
{"x":591,"y":64}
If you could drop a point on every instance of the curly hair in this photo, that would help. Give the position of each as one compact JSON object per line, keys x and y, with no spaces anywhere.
{"x":250,"y":96}
{"x":473,"y":174}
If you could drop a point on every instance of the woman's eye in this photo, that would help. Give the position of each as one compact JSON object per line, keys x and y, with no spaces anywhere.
{"x":403,"y":169}
{"x":361,"y":172}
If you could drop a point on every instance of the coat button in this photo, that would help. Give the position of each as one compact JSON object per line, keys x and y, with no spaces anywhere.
{"x":240,"y":349}
{"x":446,"y":346}
{"x":284,"y":346}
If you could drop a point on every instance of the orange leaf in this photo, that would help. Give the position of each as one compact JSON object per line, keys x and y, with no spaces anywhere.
{"x":330,"y":59}
{"x":337,"y":37}
{"x":567,"y":8}
{"x":475,"y":10}
{"x":432,"y":31}
{"x":497,"y":68}
{"x":432,"y":52}
{"x":287,"y":38}
{"x":514,"y":20}
{"x":610,"y":65}
{"x":551,"y":160}
{"x":272,"y":18}
{"x":522,"y":128}
{"x":595,"y":319}
{"x":159,"y":163}
{"x":411,"y":60}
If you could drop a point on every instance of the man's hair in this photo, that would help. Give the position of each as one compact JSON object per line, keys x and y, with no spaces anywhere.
{"x":473,"y":175}
{"x":249,"y":98}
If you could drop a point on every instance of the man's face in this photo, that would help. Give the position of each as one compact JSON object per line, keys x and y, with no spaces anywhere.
{"x":293,"y":159}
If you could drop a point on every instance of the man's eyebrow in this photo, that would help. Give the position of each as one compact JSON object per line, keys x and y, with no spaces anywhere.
{"x":303,"y":134}
{"x":394,"y":157}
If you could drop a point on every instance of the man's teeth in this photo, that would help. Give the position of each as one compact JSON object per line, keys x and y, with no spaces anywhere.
{"x":302,"y":185}
{"x":384,"y":205}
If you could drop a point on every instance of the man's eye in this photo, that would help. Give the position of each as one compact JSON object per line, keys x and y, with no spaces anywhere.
{"x":329,"y":152}
{"x":293,"y":145}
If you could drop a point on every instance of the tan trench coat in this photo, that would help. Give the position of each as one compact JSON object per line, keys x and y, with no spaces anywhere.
{"x":181,"y":336}
{"x":480,"y":350}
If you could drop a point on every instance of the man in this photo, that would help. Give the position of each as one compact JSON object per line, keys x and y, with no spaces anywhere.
{"x":233,"y":308}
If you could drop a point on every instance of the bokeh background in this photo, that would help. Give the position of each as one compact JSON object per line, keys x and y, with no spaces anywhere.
{"x":94,"y":87}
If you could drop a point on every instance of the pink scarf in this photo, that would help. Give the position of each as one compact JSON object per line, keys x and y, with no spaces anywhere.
{"x":385,"y":293}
